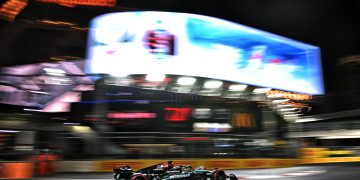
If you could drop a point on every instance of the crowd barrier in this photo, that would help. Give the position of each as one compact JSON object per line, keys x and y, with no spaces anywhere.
{"x":328,"y":160}
{"x":310,"y":153}
{"x":16,"y":170}
{"x":108,"y":165}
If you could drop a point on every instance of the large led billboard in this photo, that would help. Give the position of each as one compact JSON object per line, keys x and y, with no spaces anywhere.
{"x":150,"y":42}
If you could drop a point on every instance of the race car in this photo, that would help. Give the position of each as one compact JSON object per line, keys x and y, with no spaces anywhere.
{"x":168,"y":171}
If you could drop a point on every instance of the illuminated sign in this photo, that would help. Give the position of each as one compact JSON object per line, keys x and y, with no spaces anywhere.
{"x":289,"y":95}
{"x":243,"y":120}
{"x":202,"y":113}
{"x":73,"y":3}
{"x":295,"y":104}
{"x":211,"y":127}
{"x":132,"y":115}
{"x":160,"y":42}
{"x":11,"y":8}
{"x":148,"y":42}
{"x":177,"y":114}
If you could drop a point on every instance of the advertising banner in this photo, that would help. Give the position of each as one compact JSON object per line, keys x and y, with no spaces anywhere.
{"x":187,"y":44}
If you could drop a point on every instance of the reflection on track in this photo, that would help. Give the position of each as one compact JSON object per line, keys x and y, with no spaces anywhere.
{"x":349,"y":171}
{"x":277,"y":173}
{"x":329,"y":172}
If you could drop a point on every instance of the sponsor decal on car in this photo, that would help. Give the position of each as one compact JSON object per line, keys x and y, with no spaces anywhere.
{"x":179,"y":176}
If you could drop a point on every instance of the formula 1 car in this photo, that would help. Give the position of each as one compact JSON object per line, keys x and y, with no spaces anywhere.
{"x":167,"y":171}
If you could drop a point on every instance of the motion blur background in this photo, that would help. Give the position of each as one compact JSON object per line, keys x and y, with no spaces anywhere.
{"x":51,"y":103}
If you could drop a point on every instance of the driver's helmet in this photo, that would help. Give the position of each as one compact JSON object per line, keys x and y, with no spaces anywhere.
{"x":187,"y":168}
{"x":176,"y":168}
{"x":200,"y":168}
{"x":168,"y":165}
{"x":126,"y":167}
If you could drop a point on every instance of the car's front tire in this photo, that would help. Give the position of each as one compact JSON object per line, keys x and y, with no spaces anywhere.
{"x":138,"y":177}
{"x":218,"y":175}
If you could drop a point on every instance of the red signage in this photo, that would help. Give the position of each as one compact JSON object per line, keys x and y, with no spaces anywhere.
{"x":177,"y":114}
{"x":73,"y":3}
{"x":131,"y":115}
{"x":10,"y":9}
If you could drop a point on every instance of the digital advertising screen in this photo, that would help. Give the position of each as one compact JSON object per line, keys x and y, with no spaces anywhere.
{"x":149,"y":42}
{"x":43,"y":86}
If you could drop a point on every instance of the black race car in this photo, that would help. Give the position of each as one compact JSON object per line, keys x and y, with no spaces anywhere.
{"x":168,"y":171}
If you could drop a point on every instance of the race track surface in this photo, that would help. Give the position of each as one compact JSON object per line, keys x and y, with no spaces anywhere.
{"x":349,"y":171}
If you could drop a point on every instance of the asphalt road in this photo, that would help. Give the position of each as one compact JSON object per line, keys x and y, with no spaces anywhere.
{"x":347,"y":171}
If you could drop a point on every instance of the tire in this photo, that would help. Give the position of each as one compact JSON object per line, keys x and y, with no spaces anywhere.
{"x":138,"y":178}
{"x":233,"y":177}
{"x":218,"y":175}
{"x":199,"y":177}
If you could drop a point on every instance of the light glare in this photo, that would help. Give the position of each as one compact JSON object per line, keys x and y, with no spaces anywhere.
{"x":212,"y":84}
{"x":155,"y":77}
{"x":186,"y":81}
{"x":237,"y":87}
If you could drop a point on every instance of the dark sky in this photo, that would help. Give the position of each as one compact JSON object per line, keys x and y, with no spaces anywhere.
{"x":333,"y":25}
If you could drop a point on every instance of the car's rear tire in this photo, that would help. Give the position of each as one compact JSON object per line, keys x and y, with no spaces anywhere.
{"x":218,"y":175}
{"x":199,"y":177}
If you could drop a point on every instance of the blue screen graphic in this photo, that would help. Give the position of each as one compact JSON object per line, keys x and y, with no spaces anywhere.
{"x":150,"y":42}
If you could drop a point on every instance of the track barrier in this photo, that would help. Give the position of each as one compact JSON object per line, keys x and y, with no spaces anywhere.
{"x":26,"y":170}
{"x":17,"y":170}
{"x":109,"y":165}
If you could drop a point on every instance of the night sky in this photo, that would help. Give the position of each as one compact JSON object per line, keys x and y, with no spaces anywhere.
{"x":333,"y":25}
